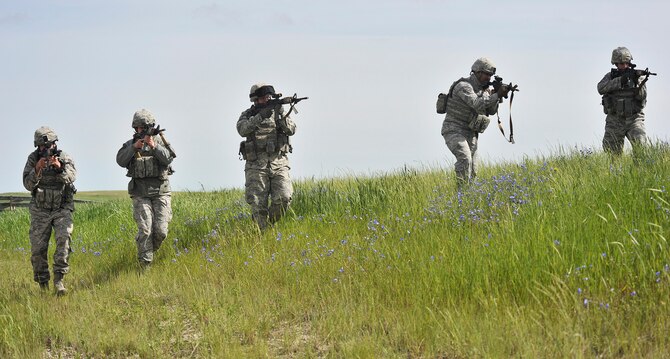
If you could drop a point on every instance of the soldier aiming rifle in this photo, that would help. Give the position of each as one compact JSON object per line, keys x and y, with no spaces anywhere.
{"x":468,"y":106}
{"x":267,"y":128}
{"x":278,"y":100}
{"x":48,"y":154}
{"x":147,"y":158}
{"x":49,"y":175}
{"x":624,"y":96}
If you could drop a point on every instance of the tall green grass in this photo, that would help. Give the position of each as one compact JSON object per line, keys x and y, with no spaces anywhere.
{"x":562,"y":256}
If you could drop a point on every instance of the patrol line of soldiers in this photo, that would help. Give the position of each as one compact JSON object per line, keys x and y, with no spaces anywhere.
{"x":471,"y":101}
{"x":49,"y":173}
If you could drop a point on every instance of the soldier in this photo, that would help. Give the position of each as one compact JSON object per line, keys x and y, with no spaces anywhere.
{"x":147,"y":158}
{"x":624,"y":97}
{"x":267,"y":130}
{"x":49,"y":175}
{"x":469,"y":103}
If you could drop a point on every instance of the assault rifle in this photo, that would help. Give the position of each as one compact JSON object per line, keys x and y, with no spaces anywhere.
{"x":632,"y":71}
{"x":153,"y":131}
{"x":277,"y":100}
{"x":630,"y":76}
{"x":498,"y":84}
{"x":50,"y":152}
{"x":148,"y":131}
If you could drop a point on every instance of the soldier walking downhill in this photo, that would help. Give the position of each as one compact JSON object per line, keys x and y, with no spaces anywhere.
{"x":624,"y":97}
{"x":267,"y":130}
{"x":49,"y":175}
{"x":147,"y":157}
{"x":469,"y":103}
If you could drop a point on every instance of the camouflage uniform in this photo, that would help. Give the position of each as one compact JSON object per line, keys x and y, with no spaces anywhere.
{"x":468,"y":107}
{"x":50,"y":208}
{"x":267,"y":166}
{"x":624,"y":98}
{"x":149,"y":188}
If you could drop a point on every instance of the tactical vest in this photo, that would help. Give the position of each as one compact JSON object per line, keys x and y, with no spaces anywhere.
{"x":622,"y":102}
{"x":50,"y":192}
{"x":268,"y":138}
{"x":147,"y":167}
{"x":458,"y":111}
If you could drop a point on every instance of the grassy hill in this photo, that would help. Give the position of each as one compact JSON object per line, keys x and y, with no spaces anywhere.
{"x":564,"y":256}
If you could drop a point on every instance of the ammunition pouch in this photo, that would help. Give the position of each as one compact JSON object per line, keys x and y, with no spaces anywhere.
{"x":250,"y":149}
{"x":607,"y":105}
{"x":48,"y":198}
{"x":69,"y":192}
{"x":621,"y":106}
{"x":479,"y":123}
{"x":147,"y":167}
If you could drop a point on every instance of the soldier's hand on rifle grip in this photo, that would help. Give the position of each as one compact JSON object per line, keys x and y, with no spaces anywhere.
{"x":496,"y":86}
{"x":266,"y":112}
{"x":149,"y":141}
{"x":40,"y":165}
{"x":54,"y":162}
{"x":503,"y":91}
{"x":138,"y":144}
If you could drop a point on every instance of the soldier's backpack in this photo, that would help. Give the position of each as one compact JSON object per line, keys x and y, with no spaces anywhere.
{"x":441,"y":105}
{"x":442,"y":99}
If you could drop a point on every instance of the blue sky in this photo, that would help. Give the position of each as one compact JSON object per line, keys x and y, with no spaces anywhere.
{"x":372,"y":70}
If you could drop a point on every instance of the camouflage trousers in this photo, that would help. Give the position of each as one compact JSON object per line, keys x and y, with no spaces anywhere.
{"x":42,"y":221}
{"x":463,"y":144}
{"x":272,"y":182}
{"x":152,"y":215}
{"x":619,"y":127}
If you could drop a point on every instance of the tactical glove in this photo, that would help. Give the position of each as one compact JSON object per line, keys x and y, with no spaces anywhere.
{"x":266,"y":112}
{"x":503,"y":91}
{"x":496,"y":85}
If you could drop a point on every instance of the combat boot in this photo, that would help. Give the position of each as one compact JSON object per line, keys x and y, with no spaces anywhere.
{"x":262,"y":222}
{"x":277,"y":211}
{"x":58,"y":284}
{"x":44,"y":286}
{"x":144,"y":267}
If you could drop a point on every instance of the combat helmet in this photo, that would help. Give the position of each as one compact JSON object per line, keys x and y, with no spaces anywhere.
{"x":621,"y":55}
{"x":260,"y":90}
{"x":44,"y":135}
{"x":143,"y":118}
{"x":484,"y":64}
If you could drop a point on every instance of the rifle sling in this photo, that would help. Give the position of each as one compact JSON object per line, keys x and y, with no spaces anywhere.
{"x":644,"y":81}
{"x":511,"y":126}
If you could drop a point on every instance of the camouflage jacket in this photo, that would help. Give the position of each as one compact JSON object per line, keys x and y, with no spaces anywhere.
{"x":52,"y":189}
{"x":620,"y":99}
{"x":468,"y":100}
{"x":148,"y":168}
{"x":268,"y":137}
